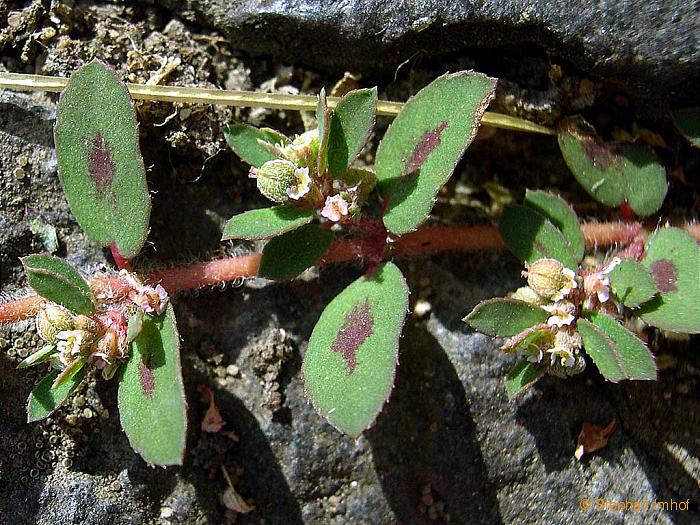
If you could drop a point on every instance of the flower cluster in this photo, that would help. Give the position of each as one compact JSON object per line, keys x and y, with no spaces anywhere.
{"x":102,"y":339}
{"x":294,"y":178}
{"x":556,"y":344}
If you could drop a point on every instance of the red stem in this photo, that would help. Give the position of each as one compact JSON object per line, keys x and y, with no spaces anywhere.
{"x":425,"y":240}
{"x":121,"y":262}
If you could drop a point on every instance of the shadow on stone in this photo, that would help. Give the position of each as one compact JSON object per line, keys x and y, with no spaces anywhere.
{"x":261,"y":480}
{"x":425,"y":444}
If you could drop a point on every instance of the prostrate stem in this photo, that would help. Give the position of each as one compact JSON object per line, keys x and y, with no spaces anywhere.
{"x":422,"y":241}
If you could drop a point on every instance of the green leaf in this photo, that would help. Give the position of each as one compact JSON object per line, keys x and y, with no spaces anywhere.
{"x":617,"y":352}
{"x":521,"y":377}
{"x":424,"y":143}
{"x":631,"y":283}
{"x":505,"y":317}
{"x":56,"y":280}
{"x":266,"y":222}
{"x":558,"y":211}
{"x":99,"y":161}
{"x":530,"y":236}
{"x":323,"y":119}
{"x":613,"y":174}
{"x":350,"y":126}
{"x":673,"y":260}
{"x":688,"y":122}
{"x":44,"y":400}
{"x":350,"y":364}
{"x":286,"y":256}
{"x":152,"y":406}
{"x":40,"y":356}
{"x":68,"y":373}
{"x":245,"y":140}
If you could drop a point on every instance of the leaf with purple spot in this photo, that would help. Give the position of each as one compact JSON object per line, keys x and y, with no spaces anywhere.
{"x":613,"y":173}
{"x":672,"y":258}
{"x":350,"y":364}
{"x":99,"y":161}
{"x":421,"y":149}
{"x":152,"y":406}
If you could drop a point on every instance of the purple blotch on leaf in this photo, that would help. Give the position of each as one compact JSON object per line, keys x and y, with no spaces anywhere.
{"x":598,"y":153}
{"x":664,"y":273}
{"x":102,"y":167}
{"x":147,"y":379}
{"x":358,"y":326}
{"x":427,"y":143}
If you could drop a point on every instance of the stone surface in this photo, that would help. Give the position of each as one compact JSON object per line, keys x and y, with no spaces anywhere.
{"x":449,"y":441}
{"x":651,"y":48}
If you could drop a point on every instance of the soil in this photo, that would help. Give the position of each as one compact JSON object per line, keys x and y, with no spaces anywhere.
{"x":449,"y":446}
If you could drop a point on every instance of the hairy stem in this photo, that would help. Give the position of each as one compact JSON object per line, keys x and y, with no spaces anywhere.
{"x":196,"y":95}
{"x":423,"y":241}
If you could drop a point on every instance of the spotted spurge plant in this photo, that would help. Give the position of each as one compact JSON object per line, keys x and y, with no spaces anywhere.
{"x":568,"y":306}
{"x":350,"y":363}
{"x":124,"y":328}
{"x":124,"y":325}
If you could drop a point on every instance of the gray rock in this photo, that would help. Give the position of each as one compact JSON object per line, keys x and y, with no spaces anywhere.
{"x":448,"y":441}
{"x":652,"y":47}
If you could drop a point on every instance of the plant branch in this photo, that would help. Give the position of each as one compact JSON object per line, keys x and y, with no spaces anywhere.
{"x":197,"y":95}
{"x":423,"y":241}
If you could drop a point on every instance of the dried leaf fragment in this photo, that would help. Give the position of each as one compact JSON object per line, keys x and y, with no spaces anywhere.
{"x":593,"y":437}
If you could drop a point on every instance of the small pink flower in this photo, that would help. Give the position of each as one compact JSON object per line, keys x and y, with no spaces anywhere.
{"x":335,"y":209}
{"x":162,"y":299}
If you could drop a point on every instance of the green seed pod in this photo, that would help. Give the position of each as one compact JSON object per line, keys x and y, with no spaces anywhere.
{"x":53,"y":319}
{"x":549,"y":279}
{"x":275,"y":177}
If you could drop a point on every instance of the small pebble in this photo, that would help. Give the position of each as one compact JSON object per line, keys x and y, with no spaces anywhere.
{"x":19,"y":173}
{"x":87,"y":413}
{"x":22,"y":160}
{"x":80,"y":401}
{"x":421,"y":308}
{"x":231,"y":370}
{"x":14,"y":19}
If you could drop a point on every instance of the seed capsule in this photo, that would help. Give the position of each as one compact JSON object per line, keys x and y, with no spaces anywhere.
{"x":550,"y":279}
{"x":275,"y":177}
{"x":53,"y":319}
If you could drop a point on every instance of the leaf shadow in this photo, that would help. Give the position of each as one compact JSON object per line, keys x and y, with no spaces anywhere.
{"x":426,"y":437}
{"x":261,"y":480}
